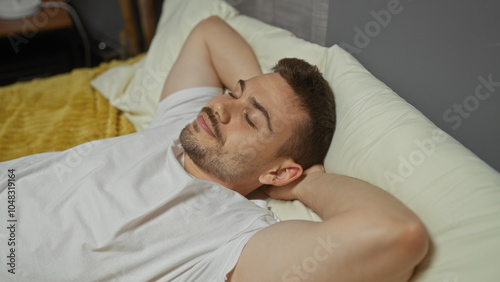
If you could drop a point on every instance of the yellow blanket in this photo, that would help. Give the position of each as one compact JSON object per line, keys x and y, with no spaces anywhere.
{"x":57,"y":113}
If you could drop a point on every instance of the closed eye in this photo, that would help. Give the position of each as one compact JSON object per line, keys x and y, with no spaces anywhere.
{"x":246,"y":115}
{"x":249,"y":121}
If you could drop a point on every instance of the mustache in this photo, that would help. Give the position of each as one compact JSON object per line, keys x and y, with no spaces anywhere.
{"x":213,"y":120}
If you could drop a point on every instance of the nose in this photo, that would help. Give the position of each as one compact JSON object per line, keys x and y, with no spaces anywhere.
{"x":222,"y":111}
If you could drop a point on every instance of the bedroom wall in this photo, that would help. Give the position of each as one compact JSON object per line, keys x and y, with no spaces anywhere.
{"x":443,"y":57}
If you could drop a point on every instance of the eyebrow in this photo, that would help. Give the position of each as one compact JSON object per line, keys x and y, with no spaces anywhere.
{"x":257,"y":105}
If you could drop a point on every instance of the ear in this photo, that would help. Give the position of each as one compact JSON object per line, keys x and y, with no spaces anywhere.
{"x":282,"y":174}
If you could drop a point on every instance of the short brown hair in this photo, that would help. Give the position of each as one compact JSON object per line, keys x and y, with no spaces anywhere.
{"x":311,"y":140}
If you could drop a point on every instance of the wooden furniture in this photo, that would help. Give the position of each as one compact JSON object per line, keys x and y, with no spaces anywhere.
{"x":45,"y":19}
{"x":40,"y":45}
{"x":139,"y":19}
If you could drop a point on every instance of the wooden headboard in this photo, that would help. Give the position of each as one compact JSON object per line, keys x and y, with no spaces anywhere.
{"x":139,"y":20}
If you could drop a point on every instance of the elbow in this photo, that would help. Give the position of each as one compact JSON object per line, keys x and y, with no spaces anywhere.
{"x":412,"y":243}
{"x":402,"y":246}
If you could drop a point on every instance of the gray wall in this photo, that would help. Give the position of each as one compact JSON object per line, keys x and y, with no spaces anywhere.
{"x":435,"y":54}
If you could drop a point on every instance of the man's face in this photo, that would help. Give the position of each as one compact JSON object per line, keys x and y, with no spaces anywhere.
{"x":237,"y":135}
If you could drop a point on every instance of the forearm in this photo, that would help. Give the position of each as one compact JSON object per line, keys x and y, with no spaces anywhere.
{"x":332,"y":194}
{"x":213,"y":55}
{"x":231,"y":56}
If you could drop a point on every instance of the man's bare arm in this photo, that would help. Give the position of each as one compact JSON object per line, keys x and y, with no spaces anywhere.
{"x":214,"y":54}
{"x":366,"y":235}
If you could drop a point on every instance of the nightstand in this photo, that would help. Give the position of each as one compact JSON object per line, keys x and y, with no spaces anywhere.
{"x":41,"y":45}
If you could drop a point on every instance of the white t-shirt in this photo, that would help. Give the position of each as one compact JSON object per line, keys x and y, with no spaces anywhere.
{"x":123,"y":209}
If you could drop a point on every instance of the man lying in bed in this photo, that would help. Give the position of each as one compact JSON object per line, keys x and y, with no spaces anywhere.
{"x":146,"y":206}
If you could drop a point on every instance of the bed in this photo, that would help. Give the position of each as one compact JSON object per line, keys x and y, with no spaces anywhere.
{"x":380,"y":138}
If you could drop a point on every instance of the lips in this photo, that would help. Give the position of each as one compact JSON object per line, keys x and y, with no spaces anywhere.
{"x":203,"y":122}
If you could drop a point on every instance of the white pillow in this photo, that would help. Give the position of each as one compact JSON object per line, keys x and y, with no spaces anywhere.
{"x":382,"y":139}
{"x":270,"y":44}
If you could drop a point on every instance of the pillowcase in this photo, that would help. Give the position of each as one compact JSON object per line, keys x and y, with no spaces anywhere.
{"x":270,"y":44}
{"x":382,"y":139}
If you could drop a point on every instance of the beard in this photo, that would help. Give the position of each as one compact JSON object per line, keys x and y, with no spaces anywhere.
{"x":212,"y":158}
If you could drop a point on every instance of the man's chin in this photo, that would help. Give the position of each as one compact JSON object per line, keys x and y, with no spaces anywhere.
{"x":208,"y":158}
{"x":191,"y":145}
